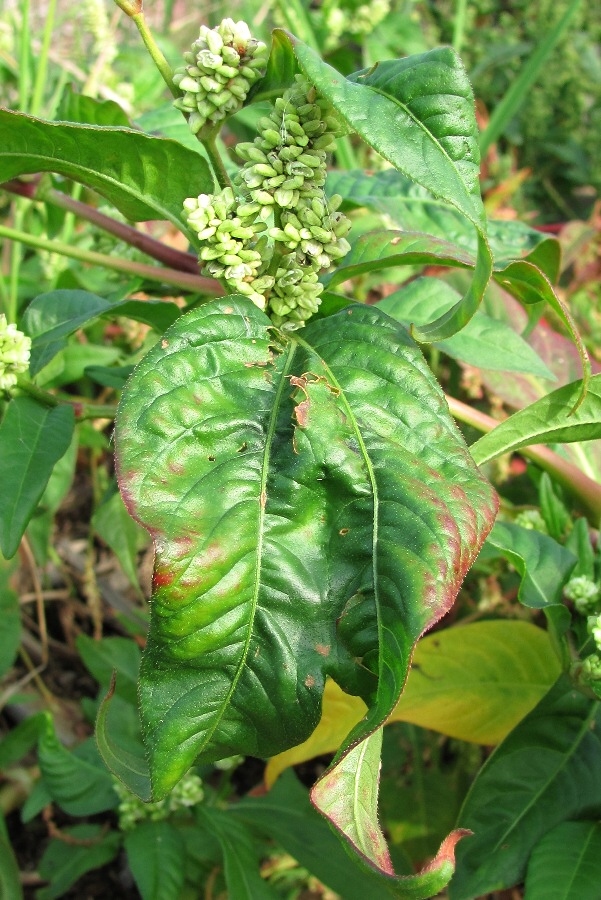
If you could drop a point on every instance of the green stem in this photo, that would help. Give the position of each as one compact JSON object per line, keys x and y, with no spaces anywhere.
{"x":157,"y":55}
{"x":175,"y":259}
{"x":24,"y":58}
{"x":208,"y":141}
{"x":41,"y":77}
{"x":83,"y":409}
{"x":152,"y":273}
{"x":566,"y":473}
{"x":459,"y":24}
{"x":16,"y":256}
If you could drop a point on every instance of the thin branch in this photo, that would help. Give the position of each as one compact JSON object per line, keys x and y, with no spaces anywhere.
{"x":564,"y":471}
{"x":175,"y":259}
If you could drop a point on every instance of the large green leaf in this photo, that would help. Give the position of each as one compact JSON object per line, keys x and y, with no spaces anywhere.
{"x":156,"y":857}
{"x":542,"y":563}
{"x":548,"y":421}
{"x":144,"y":177}
{"x":566,"y":863}
{"x":313,"y":509}
{"x":484,"y":341}
{"x":418,"y":113}
{"x":32,"y":439}
{"x":547,"y":770}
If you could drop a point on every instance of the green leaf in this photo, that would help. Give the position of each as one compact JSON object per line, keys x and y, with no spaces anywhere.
{"x":267,"y":470}
{"x":286,"y":815}
{"x":10,"y":633}
{"x":50,"y":318}
{"x":10,"y":882}
{"x":21,"y":739}
{"x":378,"y":250}
{"x":280,"y":72}
{"x":144,"y":177}
{"x":525,"y":281}
{"x":241,"y":862}
{"x":32,"y":439}
{"x":543,"y":564}
{"x":553,"y":420}
{"x":39,"y":530}
{"x":125,"y":537}
{"x":77,"y":781}
{"x":566,"y":863}
{"x":413,"y":208}
{"x":484,"y":342}
{"x":547,"y":770}
{"x":63,"y":864}
{"x":156,"y":857}
{"x":119,"y":655}
{"x":418,"y":113}
{"x":76,"y":107}
{"x":125,"y":761}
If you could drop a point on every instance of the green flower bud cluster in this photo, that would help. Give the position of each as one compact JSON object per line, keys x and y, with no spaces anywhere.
{"x":187,"y":793}
{"x":222,"y":65}
{"x":362,"y":20}
{"x":594,"y":629}
{"x":15,"y":348}
{"x":591,"y":668}
{"x":271,"y":242}
{"x":584,"y":593}
{"x":531,"y":519}
{"x":232,"y":247}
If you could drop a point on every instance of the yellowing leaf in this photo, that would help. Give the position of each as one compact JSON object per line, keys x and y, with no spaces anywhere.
{"x":474,"y":682}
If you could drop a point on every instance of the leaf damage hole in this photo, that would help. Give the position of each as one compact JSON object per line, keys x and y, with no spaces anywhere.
{"x":343,"y":532}
{"x":309,"y":681}
{"x":164,"y":344}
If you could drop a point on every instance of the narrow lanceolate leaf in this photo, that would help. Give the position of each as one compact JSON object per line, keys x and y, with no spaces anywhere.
{"x":314,"y":510}
{"x":566,"y":863}
{"x":381,"y":249}
{"x":144,"y":177}
{"x":545,"y":772}
{"x":552,"y":420}
{"x":419,"y":114}
{"x":484,"y":342}
{"x":525,"y":281}
{"x":32,"y":439}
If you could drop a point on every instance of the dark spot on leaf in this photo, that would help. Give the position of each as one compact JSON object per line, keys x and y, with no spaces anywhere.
{"x":161,"y":579}
{"x":211,"y":458}
{"x":343,"y":531}
{"x":242,"y":447}
{"x":302,"y":413}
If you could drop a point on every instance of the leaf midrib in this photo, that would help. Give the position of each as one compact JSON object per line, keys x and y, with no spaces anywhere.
{"x":565,"y":759}
{"x":260,"y":539}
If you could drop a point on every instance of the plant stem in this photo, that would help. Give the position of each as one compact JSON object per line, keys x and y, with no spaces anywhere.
{"x":24,"y":57}
{"x":41,"y":76}
{"x":565,"y":472}
{"x":175,"y":259}
{"x":183,"y":280}
{"x":82,"y":409}
{"x":157,"y":55}
{"x":459,"y":24}
{"x":219,"y":170}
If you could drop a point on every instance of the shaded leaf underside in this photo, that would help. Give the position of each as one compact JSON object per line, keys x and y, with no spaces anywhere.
{"x":313,"y":510}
